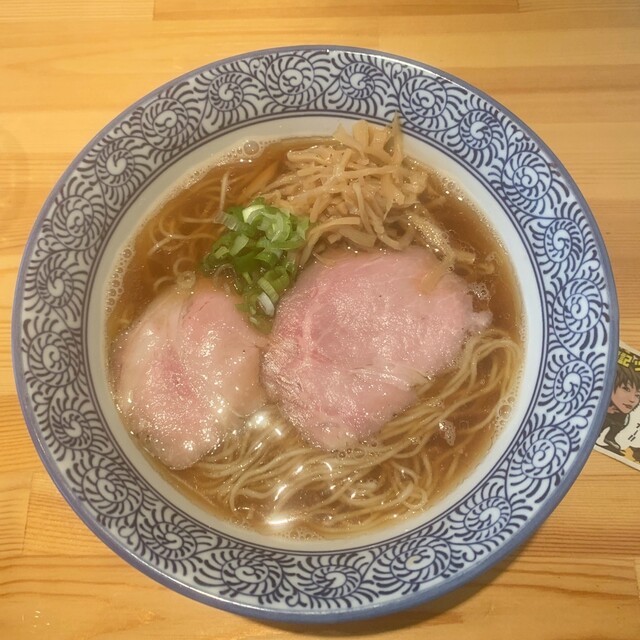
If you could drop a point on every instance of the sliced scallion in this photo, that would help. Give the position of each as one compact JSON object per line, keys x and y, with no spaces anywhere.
{"x":260,"y":245}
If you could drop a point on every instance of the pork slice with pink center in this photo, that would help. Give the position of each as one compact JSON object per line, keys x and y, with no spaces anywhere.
{"x":186,"y":372}
{"x":351,"y":341}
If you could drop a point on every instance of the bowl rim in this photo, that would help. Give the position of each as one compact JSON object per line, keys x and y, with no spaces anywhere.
{"x":472,"y":571}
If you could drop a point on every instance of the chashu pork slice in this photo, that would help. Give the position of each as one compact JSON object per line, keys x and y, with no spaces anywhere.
{"x":352,"y":340}
{"x":186,"y":372}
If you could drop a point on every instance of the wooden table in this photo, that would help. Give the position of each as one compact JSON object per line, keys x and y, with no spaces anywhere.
{"x":569,"y":68}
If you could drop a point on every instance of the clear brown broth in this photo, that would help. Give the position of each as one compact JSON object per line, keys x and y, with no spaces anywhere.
{"x":464,"y":223}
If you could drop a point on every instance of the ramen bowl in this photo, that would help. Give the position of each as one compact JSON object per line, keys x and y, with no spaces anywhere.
{"x":531,"y":203}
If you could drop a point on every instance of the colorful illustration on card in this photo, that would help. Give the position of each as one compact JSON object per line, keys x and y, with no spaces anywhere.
{"x":620,"y":434}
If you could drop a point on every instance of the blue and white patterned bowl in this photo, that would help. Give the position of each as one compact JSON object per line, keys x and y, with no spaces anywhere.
{"x":58,"y":332}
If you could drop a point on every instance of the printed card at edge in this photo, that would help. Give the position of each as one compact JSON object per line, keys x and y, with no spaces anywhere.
{"x":620,"y":433}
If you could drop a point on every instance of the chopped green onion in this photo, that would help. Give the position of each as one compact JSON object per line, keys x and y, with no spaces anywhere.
{"x":270,"y":258}
{"x":260,"y":245}
{"x":265,"y":303}
{"x":250,"y":213}
{"x":239,"y":243}
{"x":267,"y":287}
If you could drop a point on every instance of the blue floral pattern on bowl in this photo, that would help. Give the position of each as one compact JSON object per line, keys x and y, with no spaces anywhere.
{"x":547,"y":450}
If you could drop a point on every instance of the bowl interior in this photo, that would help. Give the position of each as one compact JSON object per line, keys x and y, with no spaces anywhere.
{"x":205,"y":156}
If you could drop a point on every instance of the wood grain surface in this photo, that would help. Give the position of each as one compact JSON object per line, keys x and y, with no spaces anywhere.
{"x":569,"y":68}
